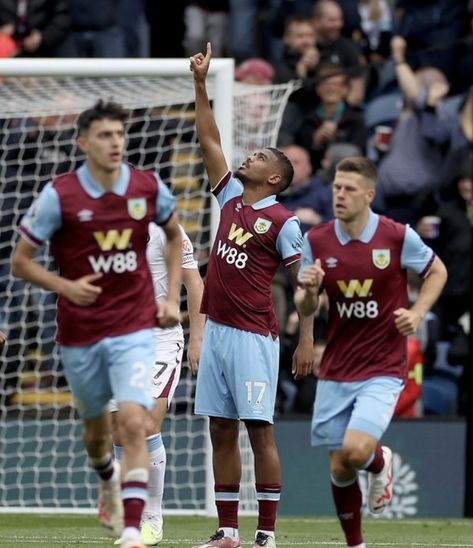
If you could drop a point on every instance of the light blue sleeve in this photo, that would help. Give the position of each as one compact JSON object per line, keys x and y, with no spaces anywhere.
{"x":230,"y":190}
{"x":415,"y":255}
{"x":307,"y":259}
{"x":289,"y":240}
{"x":43,"y":218}
{"x":165,"y":203}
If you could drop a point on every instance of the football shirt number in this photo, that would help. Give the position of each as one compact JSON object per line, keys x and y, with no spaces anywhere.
{"x":255,"y":389}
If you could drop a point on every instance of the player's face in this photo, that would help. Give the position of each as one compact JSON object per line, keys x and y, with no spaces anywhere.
{"x":351,"y":196}
{"x":258,"y":167}
{"x":104,"y":144}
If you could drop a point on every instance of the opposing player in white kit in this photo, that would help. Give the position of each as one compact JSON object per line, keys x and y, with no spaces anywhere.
{"x":167,"y":369}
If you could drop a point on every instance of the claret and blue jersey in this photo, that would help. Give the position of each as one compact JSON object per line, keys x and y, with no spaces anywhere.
{"x":251,"y":242}
{"x":366,"y":281}
{"x":93,"y":231}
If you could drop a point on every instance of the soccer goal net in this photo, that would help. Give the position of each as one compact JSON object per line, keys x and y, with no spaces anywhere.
{"x":42,"y":461}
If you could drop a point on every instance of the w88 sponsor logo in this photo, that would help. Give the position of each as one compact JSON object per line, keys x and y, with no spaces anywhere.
{"x":231,"y":254}
{"x":117,"y":262}
{"x":358,"y":309}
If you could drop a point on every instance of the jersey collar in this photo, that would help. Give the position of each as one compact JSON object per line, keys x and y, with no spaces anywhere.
{"x":366,"y":235}
{"x":94,"y":190}
{"x":265,"y":202}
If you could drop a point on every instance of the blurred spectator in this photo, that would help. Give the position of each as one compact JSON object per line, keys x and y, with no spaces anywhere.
{"x":434,"y":30}
{"x":205,"y":21}
{"x":255,"y":71}
{"x":7,"y":46}
{"x":307,"y":196}
{"x":300,"y":55}
{"x":410,"y":172}
{"x":319,"y":115}
{"x":166,"y":27}
{"x":335,"y":153}
{"x":376,"y":29}
{"x":453,"y":241}
{"x":36,"y":26}
{"x":250,"y":34}
{"x":133,"y":23}
{"x":95,"y":30}
{"x":409,"y":404}
{"x":337,"y":49}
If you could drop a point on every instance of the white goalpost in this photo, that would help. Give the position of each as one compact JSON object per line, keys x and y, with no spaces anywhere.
{"x":42,"y":462}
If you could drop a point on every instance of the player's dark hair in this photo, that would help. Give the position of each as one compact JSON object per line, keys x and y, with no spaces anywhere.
{"x":360,"y":165}
{"x":100,"y":111}
{"x":285,"y":166}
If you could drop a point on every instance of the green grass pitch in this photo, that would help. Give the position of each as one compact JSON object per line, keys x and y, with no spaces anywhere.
{"x":69,"y":531}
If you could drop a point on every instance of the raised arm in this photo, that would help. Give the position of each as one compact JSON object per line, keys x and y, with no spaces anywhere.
{"x":406,"y":77}
{"x":207,"y":130}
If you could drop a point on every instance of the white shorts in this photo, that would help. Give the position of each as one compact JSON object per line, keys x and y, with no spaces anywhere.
{"x":165,"y":371}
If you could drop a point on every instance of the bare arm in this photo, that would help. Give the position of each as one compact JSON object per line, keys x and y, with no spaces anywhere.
{"x":407,"y":321}
{"x":169,"y":310}
{"x":194,"y":286}
{"x":306,"y":298}
{"x":406,"y":77}
{"x":81,"y":292}
{"x":303,"y":359}
{"x":207,"y":130}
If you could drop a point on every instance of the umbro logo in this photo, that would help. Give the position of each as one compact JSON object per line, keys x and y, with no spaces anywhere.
{"x":85,"y":215}
{"x":238,"y":206}
{"x":331,"y":262}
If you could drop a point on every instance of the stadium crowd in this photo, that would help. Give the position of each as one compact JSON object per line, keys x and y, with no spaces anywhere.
{"x":389,"y":79}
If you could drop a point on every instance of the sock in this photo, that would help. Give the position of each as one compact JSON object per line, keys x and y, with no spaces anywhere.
{"x":157,"y":469}
{"x":376,"y":462}
{"x":117,"y":452}
{"x":269,"y":533}
{"x":268,"y":495}
{"x":347,"y":498}
{"x":103,"y":466}
{"x":227,"y":498}
{"x":134,"y":494}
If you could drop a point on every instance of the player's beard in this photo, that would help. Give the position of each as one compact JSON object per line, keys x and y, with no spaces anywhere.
{"x":241,"y":176}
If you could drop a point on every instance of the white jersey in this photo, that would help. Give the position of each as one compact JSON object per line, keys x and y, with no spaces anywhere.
{"x":156,"y":255}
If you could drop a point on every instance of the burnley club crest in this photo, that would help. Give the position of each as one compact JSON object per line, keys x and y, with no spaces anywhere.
{"x":381,"y":258}
{"x":137,"y":208}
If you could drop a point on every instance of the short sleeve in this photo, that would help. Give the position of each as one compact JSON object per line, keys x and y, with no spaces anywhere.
{"x":227,"y":188}
{"x":289,"y":241}
{"x":165,"y":203}
{"x":415,"y":255}
{"x":43,"y":218}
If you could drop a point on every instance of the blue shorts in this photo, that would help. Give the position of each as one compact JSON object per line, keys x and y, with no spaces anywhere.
{"x":367,"y":406}
{"x":238,"y":374}
{"x":114,"y":367}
